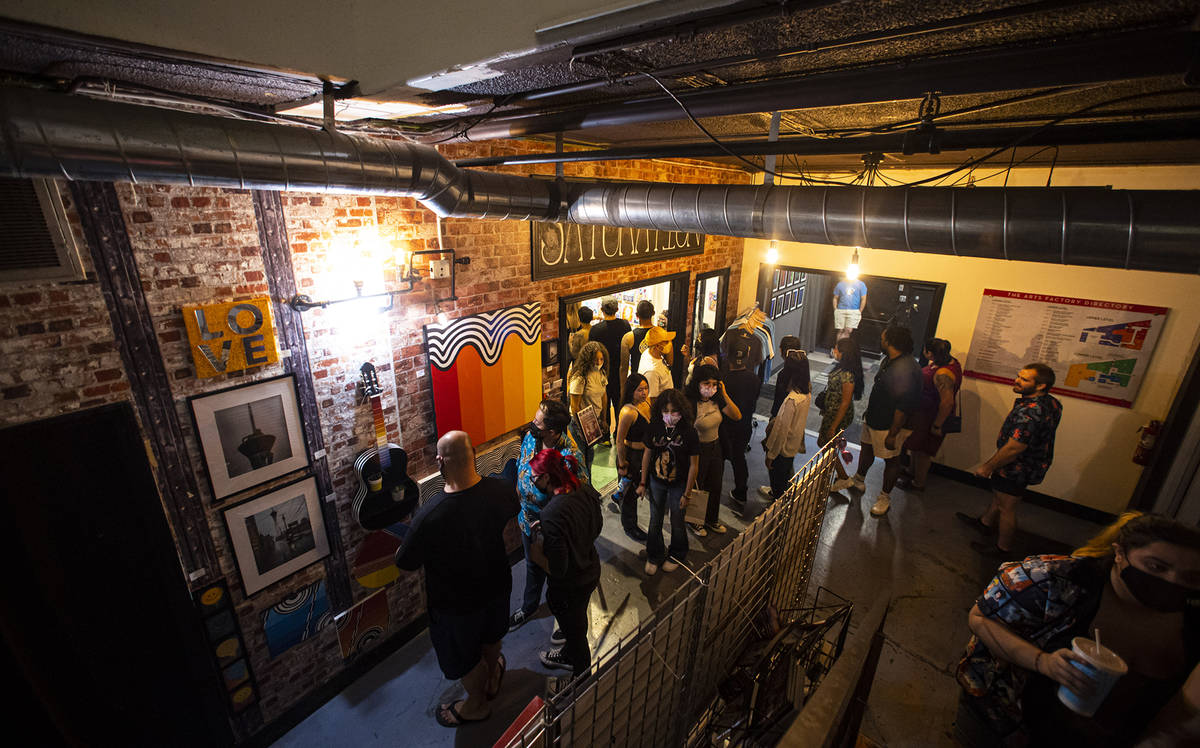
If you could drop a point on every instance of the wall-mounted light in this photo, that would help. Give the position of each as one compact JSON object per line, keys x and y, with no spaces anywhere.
{"x":772,"y":252}
{"x":852,"y":268}
{"x":407,"y":274}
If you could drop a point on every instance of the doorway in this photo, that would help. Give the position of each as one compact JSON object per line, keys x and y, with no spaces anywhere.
{"x":712,"y":292}
{"x":668,"y":294}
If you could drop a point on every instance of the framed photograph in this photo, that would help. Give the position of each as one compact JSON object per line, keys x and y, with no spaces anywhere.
{"x":589,"y":424}
{"x":250,"y":434}
{"x":550,"y":352}
{"x":277,"y":534}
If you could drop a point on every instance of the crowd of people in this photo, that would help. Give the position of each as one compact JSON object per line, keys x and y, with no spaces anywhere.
{"x":669,"y":446}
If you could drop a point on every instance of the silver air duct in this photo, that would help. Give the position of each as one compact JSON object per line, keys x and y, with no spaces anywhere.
{"x":55,"y":135}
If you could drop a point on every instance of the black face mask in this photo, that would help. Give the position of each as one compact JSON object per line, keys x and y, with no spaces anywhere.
{"x":533,"y":429}
{"x":1154,"y":592}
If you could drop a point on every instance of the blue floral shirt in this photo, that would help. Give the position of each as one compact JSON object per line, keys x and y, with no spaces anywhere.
{"x":533,"y":500}
{"x":1033,"y":422}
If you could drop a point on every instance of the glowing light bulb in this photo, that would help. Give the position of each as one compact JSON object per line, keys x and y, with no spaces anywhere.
{"x":852,"y":268}
{"x":772,"y":253}
{"x":442,"y":318}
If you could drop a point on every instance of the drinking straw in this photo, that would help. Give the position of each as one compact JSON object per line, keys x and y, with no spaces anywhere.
{"x":1097,"y":638}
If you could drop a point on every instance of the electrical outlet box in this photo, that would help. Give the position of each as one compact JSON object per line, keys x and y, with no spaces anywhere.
{"x":439,"y":269}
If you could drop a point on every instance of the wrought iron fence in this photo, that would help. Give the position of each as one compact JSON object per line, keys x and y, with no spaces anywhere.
{"x":650,"y":687}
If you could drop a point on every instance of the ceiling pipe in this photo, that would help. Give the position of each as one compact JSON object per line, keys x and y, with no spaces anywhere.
{"x":44,"y":134}
{"x":947,"y":140}
{"x":1136,"y":54}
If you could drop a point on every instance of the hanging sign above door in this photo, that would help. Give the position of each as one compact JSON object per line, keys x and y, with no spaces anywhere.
{"x":558,"y":249}
{"x":231,"y":336}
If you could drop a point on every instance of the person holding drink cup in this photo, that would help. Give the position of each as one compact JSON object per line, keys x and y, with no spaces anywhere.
{"x":1035,"y":674}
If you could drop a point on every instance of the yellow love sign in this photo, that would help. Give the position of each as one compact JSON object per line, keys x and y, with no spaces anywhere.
{"x":232,"y":336}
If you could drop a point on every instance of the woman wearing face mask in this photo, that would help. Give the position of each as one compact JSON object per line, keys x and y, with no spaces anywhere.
{"x":706,"y":393}
{"x":1138,"y":582}
{"x":669,"y":464}
{"x":587,"y":384}
{"x":631,"y":426}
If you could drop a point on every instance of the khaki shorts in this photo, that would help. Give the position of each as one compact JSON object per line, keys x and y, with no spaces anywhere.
{"x":876,"y":439}
{"x":846,"y":318}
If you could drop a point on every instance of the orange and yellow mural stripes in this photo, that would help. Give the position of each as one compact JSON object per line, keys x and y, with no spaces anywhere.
{"x":486,"y":371}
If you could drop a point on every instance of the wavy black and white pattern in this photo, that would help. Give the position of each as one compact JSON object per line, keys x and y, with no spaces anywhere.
{"x":486,"y":332}
{"x":490,"y":463}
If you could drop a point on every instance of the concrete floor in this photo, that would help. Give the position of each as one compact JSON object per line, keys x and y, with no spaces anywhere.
{"x":918,"y":549}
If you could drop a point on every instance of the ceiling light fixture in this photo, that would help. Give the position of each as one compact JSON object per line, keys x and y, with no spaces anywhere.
{"x":772,"y":252}
{"x":852,"y":268}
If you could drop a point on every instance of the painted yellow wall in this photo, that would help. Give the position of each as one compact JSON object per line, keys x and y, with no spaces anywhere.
{"x":1092,"y":463}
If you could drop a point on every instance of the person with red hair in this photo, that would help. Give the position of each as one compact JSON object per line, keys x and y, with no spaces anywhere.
{"x":564,"y":545}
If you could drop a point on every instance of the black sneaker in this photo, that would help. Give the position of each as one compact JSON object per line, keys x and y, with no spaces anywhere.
{"x":518,"y":619}
{"x":975,"y":524}
{"x":557,"y":638}
{"x":555,"y":659}
{"x":614,"y":505}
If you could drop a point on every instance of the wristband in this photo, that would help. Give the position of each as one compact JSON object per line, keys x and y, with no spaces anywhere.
{"x":1036,"y":660}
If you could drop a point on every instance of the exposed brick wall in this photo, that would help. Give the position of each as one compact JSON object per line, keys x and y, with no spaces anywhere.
{"x":201,"y":245}
{"x":57,"y":352}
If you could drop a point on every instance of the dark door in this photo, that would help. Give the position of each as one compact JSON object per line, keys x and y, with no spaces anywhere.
{"x":897,"y":301}
{"x":98,"y":624}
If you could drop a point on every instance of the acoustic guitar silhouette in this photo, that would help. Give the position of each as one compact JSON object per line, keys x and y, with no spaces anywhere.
{"x":394,"y":495}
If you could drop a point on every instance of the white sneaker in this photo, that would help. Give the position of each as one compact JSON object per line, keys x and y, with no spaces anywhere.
{"x":858,"y":482}
{"x":651,"y":569}
{"x":669,"y":566}
{"x":764,"y":491}
{"x":882,"y":505}
{"x":841,"y":484}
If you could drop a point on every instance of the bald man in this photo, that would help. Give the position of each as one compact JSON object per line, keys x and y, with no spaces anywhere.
{"x":458,"y":537}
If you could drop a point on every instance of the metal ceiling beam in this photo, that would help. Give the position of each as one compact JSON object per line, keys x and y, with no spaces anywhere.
{"x":948,"y":140}
{"x":1138,"y":54}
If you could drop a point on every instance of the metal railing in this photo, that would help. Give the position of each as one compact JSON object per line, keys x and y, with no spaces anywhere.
{"x":649,"y":688}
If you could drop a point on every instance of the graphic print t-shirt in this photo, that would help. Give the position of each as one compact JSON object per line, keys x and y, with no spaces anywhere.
{"x":850,"y":293}
{"x":671,"y":450}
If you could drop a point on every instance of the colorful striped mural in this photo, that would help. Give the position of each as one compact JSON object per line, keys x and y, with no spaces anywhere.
{"x":486,"y":371}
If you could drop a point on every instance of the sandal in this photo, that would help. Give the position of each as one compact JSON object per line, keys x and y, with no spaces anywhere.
{"x":499,"y":681}
{"x":447,"y":716}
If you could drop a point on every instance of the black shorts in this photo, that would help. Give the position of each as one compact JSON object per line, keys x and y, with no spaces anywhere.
{"x":458,"y":638}
{"x":1007,"y":485}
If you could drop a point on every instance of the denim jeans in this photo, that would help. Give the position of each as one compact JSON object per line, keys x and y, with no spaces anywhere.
{"x":664,"y":497}
{"x":627,"y":491}
{"x":535,"y":579}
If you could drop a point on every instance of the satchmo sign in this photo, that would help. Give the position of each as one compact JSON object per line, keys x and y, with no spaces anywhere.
{"x":559,"y":249}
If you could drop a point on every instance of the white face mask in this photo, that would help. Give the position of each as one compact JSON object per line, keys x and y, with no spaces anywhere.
{"x":671,"y":419}
{"x":707,"y":391}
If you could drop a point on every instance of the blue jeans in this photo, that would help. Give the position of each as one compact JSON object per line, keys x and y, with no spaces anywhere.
{"x":662,"y":497}
{"x":535,"y":579}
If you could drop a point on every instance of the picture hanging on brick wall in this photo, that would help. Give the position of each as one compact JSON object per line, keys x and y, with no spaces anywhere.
{"x":486,"y":371}
{"x":297,"y":617}
{"x":363,"y":625}
{"x":277,"y":534}
{"x":250,"y":434}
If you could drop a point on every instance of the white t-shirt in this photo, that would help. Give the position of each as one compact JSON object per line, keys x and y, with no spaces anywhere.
{"x":657,"y":375}
{"x":594,"y":390}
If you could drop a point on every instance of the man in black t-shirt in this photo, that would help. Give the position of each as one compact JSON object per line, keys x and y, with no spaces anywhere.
{"x":609,"y":333}
{"x":458,"y":537}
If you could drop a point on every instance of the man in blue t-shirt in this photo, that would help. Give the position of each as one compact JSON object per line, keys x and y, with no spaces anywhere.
{"x":849,"y":299}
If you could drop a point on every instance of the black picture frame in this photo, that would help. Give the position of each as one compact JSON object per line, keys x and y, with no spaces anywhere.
{"x":256,"y":562}
{"x":237,"y":453}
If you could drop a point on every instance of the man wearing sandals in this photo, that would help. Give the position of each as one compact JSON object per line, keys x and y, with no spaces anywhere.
{"x":458,"y":537}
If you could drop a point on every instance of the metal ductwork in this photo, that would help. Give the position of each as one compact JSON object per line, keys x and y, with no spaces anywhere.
{"x":55,"y":135}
